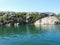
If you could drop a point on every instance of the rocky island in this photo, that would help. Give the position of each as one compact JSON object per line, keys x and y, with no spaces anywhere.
{"x":8,"y":18}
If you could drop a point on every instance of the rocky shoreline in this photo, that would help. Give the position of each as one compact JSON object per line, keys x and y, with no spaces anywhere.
{"x":22,"y":18}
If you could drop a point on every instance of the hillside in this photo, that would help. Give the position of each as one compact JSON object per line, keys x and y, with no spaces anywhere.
{"x":22,"y":18}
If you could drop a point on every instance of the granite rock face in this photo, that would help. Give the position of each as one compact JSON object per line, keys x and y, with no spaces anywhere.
{"x":47,"y":20}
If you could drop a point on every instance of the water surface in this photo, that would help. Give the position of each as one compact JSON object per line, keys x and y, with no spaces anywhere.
{"x":30,"y":35}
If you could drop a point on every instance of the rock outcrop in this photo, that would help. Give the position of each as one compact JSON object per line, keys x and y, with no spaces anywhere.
{"x":47,"y":20}
{"x":23,"y":18}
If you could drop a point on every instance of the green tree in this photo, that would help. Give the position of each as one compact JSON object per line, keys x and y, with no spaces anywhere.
{"x":58,"y":16}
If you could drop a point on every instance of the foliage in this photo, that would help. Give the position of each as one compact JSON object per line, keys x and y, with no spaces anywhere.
{"x":21,"y":17}
{"x":58,"y":16}
{"x":35,"y":17}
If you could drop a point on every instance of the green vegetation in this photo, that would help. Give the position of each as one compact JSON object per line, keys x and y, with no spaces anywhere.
{"x":20,"y":17}
{"x":35,"y":17}
{"x":58,"y":16}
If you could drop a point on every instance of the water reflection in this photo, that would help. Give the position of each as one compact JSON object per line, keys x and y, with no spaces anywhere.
{"x":30,"y":35}
{"x":28,"y":29}
{"x":7,"y":31}
{"x":48,"y":27}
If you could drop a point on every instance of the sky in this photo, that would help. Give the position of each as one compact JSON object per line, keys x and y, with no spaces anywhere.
{"x":30,"y":5}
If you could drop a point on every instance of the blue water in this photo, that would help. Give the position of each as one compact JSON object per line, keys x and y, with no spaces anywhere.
{"x":30,"y":35}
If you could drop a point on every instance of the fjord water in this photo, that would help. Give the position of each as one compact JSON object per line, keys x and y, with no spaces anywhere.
{"x":30,"y":35}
